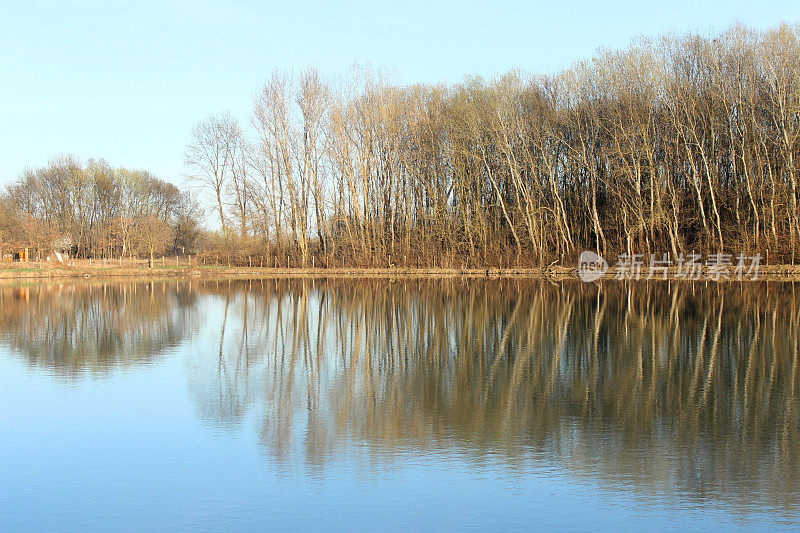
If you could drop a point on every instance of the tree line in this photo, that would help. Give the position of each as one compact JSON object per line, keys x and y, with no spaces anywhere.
{"x":683,"y":145}
{"x":95,"y":211}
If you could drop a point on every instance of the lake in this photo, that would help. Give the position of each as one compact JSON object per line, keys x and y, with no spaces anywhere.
{"x":374,"y":404}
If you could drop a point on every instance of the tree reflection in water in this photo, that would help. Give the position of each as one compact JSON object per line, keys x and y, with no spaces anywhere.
{"x":73,"y":328}
{"x":663,"y":389}
{"x":692,"y":389}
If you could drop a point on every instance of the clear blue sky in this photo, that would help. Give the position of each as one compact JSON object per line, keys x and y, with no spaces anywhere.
{"x":126,"y":81}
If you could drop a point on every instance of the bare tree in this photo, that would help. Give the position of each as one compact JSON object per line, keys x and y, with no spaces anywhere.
{"x":211,"y":156}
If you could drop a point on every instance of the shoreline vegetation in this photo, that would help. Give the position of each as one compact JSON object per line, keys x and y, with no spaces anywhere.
{"x":686,"y":144}
{"x":164,"y":268}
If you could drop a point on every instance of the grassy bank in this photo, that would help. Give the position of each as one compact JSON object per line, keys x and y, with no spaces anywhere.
{"x":86,"y":269}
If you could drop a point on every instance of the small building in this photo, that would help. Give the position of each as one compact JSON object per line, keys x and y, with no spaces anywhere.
{"x":14,"y":251}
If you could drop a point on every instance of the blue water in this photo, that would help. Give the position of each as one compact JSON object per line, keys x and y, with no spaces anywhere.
{"x":295,"y":407}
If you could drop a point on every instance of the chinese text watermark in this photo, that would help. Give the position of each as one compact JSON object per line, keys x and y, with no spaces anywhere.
{"x":691,"y":267}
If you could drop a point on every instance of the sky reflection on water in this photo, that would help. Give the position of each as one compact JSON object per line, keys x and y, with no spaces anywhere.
{"x":448,"y":404}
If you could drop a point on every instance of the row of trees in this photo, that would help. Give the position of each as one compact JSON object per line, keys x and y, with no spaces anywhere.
{"x":94,"y":210}
{"x":688,"y":144}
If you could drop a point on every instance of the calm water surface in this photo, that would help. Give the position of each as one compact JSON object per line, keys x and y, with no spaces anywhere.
{"x":373,"y":404}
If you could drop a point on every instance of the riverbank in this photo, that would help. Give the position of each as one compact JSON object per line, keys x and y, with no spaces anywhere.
{"x":85,"y":269}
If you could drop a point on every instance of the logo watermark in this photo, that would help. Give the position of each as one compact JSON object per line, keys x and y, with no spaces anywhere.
{"x":691,"y":267}
{"x":591,"y":266}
